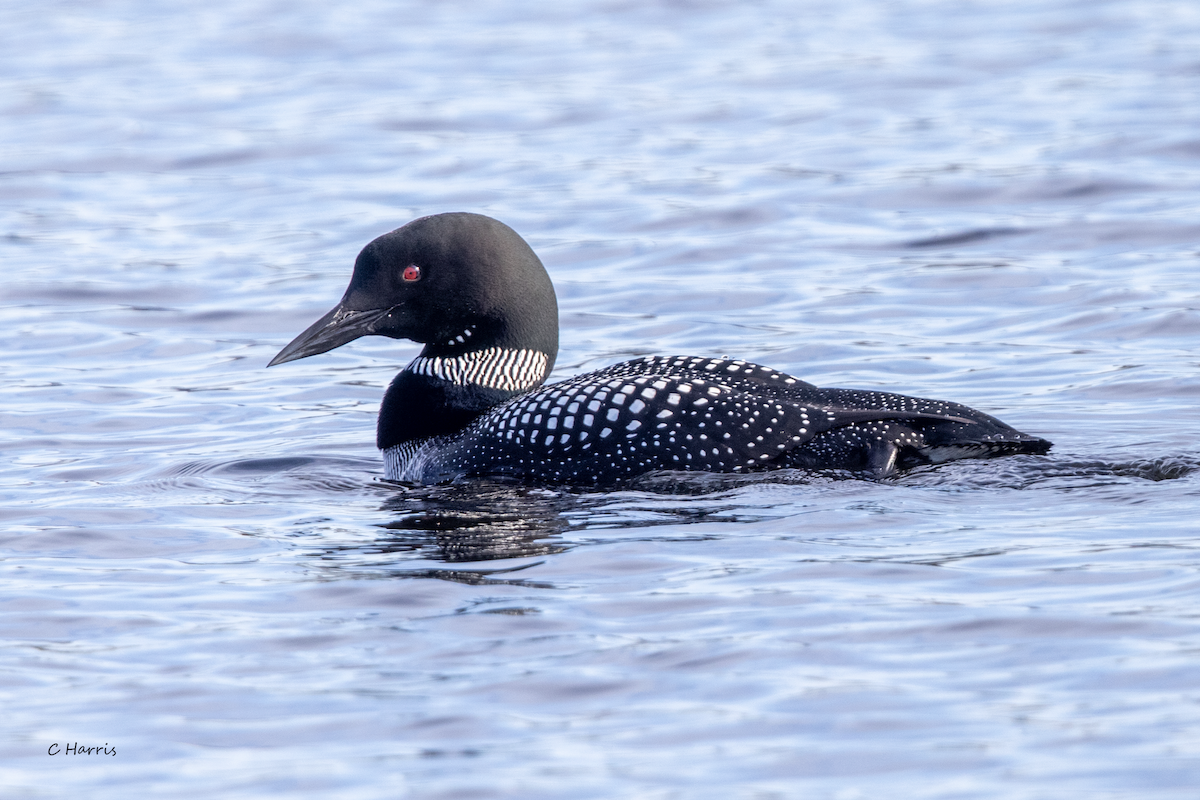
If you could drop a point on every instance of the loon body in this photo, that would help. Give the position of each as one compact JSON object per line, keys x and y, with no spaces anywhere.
{"x":472,"y":404}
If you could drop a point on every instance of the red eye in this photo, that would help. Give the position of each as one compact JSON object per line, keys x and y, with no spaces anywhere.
{"x":412,"y":273}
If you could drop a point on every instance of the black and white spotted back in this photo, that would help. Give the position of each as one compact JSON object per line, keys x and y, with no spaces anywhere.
{"x":658,"y":413}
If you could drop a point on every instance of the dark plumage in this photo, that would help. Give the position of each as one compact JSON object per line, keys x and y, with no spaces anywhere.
{"x":472,"y":404}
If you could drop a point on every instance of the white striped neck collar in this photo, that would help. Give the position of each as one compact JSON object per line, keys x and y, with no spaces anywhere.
{"x":492,"y":368}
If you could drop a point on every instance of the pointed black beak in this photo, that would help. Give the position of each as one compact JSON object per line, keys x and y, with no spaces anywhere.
{"x":339,"y":326}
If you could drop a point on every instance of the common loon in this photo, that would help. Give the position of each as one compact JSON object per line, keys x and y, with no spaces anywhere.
{"x":472,"y":404}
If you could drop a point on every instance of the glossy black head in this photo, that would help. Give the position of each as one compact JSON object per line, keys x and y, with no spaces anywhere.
{"x":454,"y":282}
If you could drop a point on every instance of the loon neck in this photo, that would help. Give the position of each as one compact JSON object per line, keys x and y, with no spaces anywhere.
{"x":437,"y":395}
{"x":499,"y":368}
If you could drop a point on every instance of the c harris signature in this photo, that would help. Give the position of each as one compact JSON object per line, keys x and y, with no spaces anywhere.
{"x":75,"y":749}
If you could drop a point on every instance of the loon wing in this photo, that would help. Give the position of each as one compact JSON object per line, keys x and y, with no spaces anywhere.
{"x":651,"y":414}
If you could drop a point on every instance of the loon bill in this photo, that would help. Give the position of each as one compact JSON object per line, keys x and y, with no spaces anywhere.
{"x":473,"y":403}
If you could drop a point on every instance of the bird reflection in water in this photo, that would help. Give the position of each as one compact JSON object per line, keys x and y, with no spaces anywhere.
{"x":480,"y":521}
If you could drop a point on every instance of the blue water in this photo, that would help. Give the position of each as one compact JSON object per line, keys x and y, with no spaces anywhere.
{"x":996,"y":203}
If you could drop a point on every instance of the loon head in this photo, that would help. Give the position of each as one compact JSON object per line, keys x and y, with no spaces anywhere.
{"x":457,"y":283}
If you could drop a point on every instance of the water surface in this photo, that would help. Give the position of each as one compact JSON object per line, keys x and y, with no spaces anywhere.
{"x":993,"y":203}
